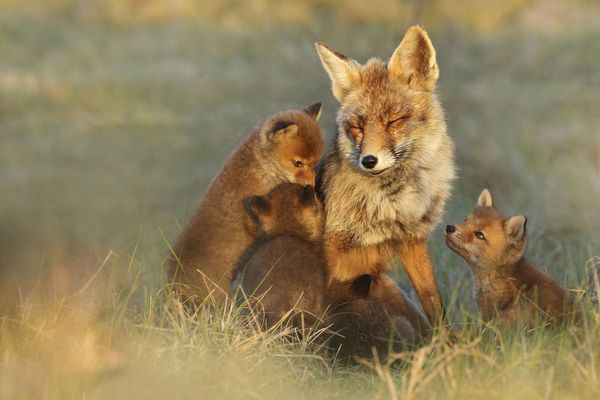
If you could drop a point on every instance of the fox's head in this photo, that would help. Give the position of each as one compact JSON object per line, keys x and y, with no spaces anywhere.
{"x":292,"y":145}
{"x":389,"y":113}
{"x":288,"y":209}
{"x":487,"y":240}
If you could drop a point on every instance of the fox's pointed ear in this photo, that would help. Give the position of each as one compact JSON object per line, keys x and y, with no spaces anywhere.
{"x":515,"y":228}
{"x":307,"y":195}
{"x":258,"y":208}
{"x":414,"y":60}
{"x":485,"y":199}
{"x":343,"y":71}
{"x":283,"y":128}
{"x":314,"y":110}
{"x":362,"y":285}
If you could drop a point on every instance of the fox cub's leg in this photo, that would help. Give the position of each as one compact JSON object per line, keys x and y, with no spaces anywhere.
{"x":418,"y":267}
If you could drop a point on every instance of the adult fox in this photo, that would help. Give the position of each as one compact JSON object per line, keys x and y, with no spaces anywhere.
{"x":386,"y":180}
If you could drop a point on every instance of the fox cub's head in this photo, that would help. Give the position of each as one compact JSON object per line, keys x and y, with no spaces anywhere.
{"x":292,"y":145}
{"x":389,"y":113}
{"x":288,"y":209}
{"x":487,"y":240}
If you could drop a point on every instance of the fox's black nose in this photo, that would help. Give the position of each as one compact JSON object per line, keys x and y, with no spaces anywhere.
{"x":369,"y":162}
{"x":450,"y":228}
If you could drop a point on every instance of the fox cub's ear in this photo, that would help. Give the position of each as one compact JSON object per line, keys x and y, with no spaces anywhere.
{"x":342,"y":71}
{"x":314,"y":110}
{"x":307,"y":196}
{"x":362,"y":285}
{"x":414,"y":60}
{"x":283,"y":129}
{"x":258,"y":208}
{"x":485,"y":199}
{"x":515,"y":228}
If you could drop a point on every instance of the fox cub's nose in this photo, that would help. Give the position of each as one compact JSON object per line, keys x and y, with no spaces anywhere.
{"x":450,"y":228}
{"x":369,"y":162}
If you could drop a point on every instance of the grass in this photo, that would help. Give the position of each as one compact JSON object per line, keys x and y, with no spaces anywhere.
{"x":111,"y":125}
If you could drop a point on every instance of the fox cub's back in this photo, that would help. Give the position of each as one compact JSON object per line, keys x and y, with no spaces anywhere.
{"x":363,"y":324}
{"x":283,"y":272}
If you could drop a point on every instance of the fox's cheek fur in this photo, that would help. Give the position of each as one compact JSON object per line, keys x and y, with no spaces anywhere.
{"x":349,"y":149}
{"x":460,"y":242}
{"x":456,"y":244}
{"x":305,"y":177}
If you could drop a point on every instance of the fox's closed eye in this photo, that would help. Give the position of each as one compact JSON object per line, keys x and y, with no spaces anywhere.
{"x":479,"y":235}
{"x":394,"y":121}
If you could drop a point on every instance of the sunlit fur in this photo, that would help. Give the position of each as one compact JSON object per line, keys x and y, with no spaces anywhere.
{"x":216,"y":236}
{"x":406,"y":200}
{"x":507,"y":288}
{"x":390,"y":111}
{"x":284,"y":270}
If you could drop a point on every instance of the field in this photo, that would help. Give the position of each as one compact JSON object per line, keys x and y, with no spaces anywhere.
{"x":114,"y":116}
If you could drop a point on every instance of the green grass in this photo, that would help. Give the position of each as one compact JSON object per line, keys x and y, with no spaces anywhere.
{"x":112,"y":125}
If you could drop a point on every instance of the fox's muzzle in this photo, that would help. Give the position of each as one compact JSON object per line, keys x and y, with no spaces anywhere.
{"x":369,"y":161}
{"x":375,"y":163}
{"x":305,"y":178}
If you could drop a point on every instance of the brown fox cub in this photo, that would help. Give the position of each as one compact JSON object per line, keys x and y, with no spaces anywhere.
{"x":284,"y":269}
{"x":361,"y":322}
{"x":506,"y":286}
{"x":283,"y":148}
{"x":386,"y":181}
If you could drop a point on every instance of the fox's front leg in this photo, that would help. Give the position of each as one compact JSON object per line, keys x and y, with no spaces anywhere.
{"x":418,"y":267}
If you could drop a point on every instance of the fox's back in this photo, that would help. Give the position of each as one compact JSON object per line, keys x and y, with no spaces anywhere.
{"x":286,"y":272}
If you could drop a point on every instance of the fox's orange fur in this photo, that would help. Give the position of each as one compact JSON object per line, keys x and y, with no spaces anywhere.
{"x":283,"y":148}
{"x":387,"y":179}
{"x":507,"y":287}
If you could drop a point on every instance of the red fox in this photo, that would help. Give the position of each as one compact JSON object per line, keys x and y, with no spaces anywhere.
{"x":386,"y":181}
{"x":507,"y":287}
{"x":283,"y":148}
{"x":284,"y":269}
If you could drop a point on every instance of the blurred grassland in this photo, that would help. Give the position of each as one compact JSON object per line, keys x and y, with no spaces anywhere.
{"x":114,"y":116}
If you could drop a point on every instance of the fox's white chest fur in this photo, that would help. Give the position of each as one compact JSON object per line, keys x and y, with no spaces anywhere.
{"x":400,"y":205}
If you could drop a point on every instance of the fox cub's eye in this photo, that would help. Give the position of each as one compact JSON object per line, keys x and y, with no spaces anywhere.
{"x":479,"y":235}
{"x":298,"y":163}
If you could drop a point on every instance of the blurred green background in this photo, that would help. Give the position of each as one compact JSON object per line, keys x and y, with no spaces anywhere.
{"x":114,"y":116}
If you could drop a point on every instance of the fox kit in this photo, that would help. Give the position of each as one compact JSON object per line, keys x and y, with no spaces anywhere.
{"x":361,"y":322}
{"x":506,"y":286}
{"x":386,"y":181}
{"x":283,"y":148}
{"x":284,"y":269}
